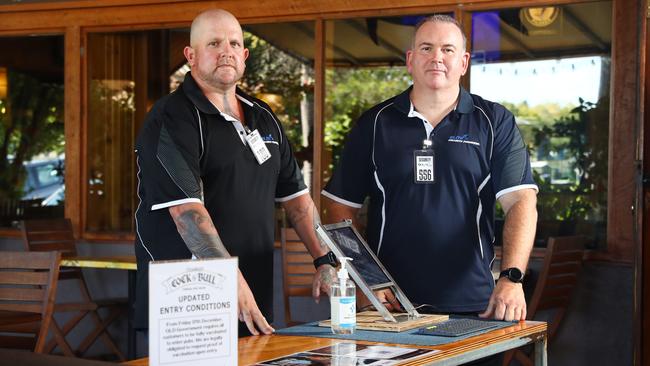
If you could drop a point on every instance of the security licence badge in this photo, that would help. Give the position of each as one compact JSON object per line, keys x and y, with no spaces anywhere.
{"x":258,"y":147}
{"x":423,"y":163}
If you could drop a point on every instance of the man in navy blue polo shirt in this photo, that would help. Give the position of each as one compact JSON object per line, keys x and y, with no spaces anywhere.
{"x":212,"y":161}
{"x":434,"y":160}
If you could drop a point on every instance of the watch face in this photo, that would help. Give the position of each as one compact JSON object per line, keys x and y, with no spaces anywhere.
{"x":515,"y":274}
{"x":332,"y":259}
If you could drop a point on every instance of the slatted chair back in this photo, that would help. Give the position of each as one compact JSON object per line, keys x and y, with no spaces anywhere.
{"x":28,"y":283}
{"x":57,"y":234}
{"x":558,"y":278}
{"x":555,"y":286}
{"x":49,"y":234}
{"x":53,"y":234}
{"x":297,"y":270}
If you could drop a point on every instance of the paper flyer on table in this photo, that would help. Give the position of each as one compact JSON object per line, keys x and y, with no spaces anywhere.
{"x":193,"y":312}
{"x":350,"y":354}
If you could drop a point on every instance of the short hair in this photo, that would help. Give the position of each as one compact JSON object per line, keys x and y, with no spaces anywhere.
{"x":438,"y":18}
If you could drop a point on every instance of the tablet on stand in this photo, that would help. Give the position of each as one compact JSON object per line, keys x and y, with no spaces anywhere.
{"x":365,"y":268}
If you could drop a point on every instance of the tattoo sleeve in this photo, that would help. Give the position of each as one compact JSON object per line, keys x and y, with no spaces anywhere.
{"x":200,"y":235}
{"x":304,"y":210}
{"x":297,"y":213}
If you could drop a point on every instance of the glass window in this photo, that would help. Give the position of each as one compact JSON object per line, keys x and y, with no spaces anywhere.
{"x":127,"y":73}
{"x":365,"y":65}
{"x":280,"y":71}
{"x":31,"y":129}
{"x":551,"y":67}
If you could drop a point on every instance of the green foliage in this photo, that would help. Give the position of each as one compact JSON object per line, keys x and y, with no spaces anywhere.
{"x":350,"y":92}
{"x":530,"y":119}
{"x":31,"y":123}
{"x":272,"y":71}
{"x":581,"y":137}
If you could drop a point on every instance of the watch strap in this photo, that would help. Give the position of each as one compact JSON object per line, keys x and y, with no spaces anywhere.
{"x":328,"y":258}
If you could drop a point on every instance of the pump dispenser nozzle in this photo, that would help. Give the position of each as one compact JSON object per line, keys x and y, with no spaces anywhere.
{"x":343,"y":272}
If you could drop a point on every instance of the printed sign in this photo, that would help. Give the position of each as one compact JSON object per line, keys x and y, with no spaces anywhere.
{"x":193,"y":312}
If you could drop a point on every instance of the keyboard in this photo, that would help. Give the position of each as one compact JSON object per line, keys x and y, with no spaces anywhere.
{"x":455,"y":327}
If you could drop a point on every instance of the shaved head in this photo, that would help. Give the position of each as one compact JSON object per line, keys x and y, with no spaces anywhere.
{"x":207,"y":16}
{"x":216,"y":53}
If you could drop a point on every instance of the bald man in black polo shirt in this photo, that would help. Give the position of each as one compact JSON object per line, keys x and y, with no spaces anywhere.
{"x":212,"y":161}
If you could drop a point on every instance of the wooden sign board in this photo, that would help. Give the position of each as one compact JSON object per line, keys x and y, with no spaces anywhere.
{"x":373,"y":320}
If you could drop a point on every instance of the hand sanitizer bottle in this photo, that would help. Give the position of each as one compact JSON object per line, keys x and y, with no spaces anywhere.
{"x":343,"y":302}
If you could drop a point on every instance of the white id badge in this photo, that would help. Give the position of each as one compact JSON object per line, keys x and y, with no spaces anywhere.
{"x":258,"y":147}
{"x":423,"y":164}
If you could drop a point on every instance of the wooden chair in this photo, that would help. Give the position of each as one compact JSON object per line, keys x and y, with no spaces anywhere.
{"x":297,"y":270}
{"x":56,"y":234}
{"x":554,"y":288}
{"x":28,"y":284}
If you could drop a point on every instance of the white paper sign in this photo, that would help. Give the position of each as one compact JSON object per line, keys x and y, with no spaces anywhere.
{"x":193,"y":312}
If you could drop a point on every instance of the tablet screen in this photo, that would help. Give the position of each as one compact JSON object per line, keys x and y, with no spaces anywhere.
{"x":362,"y":259}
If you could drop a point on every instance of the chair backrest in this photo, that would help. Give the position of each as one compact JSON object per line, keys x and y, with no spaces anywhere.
{"x":49,"y":234}
{"x":297,"y":269}
{"x":27,"y":286}
{"x":558,"y":278}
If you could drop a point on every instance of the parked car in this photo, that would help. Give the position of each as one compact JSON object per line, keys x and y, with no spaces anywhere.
{"x":44,"y":180}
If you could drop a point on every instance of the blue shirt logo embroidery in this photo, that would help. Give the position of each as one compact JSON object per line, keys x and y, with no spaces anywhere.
{"x":268,"y":137}
{"x":463,"y":139}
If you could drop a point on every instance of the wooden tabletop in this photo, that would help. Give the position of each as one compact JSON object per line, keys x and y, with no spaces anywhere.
{"x":260,"y":348}
{"x":127,"y":262}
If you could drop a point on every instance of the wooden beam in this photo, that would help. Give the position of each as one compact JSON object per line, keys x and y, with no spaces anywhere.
{"x":348,"y":56}
{"x":72,"y":126}
{"x":624,"y":113}
{"x":642,"y":264}
{"x":584,"y":29}
{"x":163,"y":13}
{"x":382,"y":42}
{"x":319,"y":111}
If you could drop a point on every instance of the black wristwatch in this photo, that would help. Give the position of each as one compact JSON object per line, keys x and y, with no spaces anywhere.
{"x":514,"y":274}
{"x":328,"y":258}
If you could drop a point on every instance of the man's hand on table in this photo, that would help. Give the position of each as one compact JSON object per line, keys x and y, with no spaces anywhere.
{"x":385,"y":296}
{"x":507,"y":302}
{"x":249,"y":312}
{"x":323,"y":279}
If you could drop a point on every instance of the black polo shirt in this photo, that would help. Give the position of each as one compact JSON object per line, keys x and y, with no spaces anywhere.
{"x":188,"y":151}
{"x":436,"y":240}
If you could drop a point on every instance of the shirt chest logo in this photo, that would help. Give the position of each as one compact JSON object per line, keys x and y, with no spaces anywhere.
{"x":268,"y":139}
{"x":463,"y":139}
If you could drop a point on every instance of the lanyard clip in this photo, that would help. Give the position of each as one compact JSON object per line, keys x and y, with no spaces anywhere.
{"x":427,"y":144}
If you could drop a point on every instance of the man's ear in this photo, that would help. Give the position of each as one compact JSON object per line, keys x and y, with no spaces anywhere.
{"x":246,"y":54}
{"x":466,"y":57}
{"x":189,"y":55}
{"x":409,"y":55}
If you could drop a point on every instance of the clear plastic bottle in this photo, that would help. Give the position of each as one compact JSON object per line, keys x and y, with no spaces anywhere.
{"x":343,"y":302}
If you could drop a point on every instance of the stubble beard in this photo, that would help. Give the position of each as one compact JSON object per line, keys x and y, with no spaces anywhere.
{"x":222,"y":82}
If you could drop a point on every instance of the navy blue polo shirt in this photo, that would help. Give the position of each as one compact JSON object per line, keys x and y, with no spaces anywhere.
{"x":436,"y":240}
{"x":188,"y":151}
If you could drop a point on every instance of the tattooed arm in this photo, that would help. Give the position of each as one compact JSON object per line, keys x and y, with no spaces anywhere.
{"x":195,"y":226}
{"x":303,"y":217}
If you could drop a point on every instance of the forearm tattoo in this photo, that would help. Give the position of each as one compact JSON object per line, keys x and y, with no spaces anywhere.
{"x":298,"y":213}
{"x":200,"y":235}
